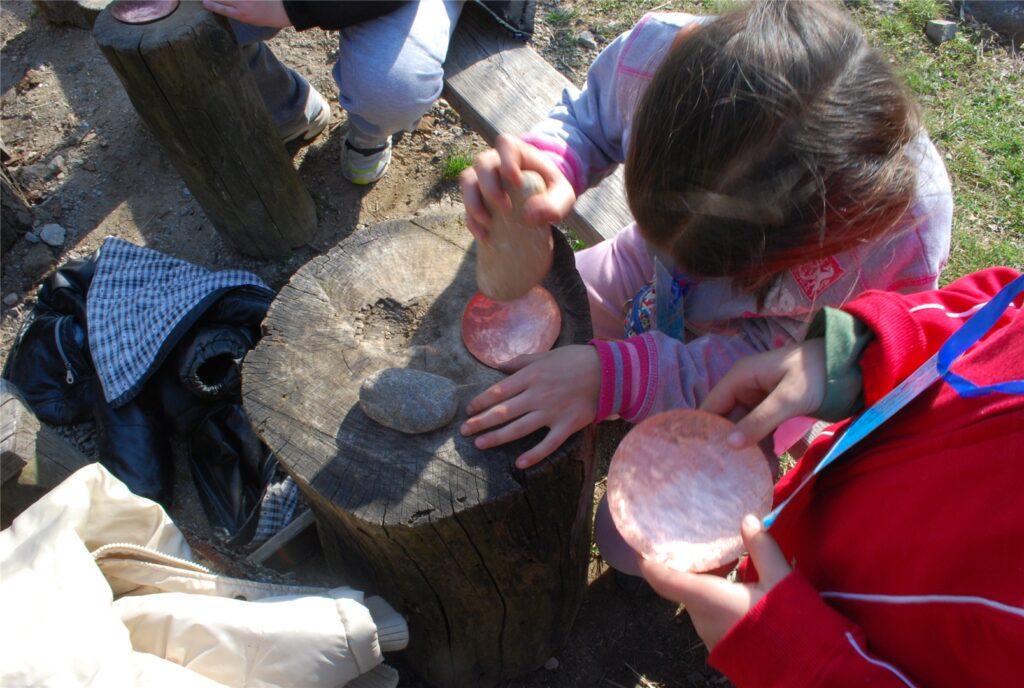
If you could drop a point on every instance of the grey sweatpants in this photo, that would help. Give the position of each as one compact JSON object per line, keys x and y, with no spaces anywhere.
{"x":389,"y":71}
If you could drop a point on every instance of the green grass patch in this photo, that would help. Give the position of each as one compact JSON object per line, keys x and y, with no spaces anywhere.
{"x":972,"y":95}
{"x":574,"y":241}
{"x":561,"y":15}
{"x":454,"y":163}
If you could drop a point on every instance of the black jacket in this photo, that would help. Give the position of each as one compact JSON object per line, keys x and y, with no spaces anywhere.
{"x":515,"y":15}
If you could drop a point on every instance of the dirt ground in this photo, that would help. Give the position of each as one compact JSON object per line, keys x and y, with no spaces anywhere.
{"x":88,"y":164}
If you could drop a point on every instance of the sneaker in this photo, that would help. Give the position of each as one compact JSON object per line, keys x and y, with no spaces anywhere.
{"x":314,"y":125}
{"x":365,"y":165}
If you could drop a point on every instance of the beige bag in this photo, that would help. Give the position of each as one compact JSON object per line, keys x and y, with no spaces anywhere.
{"x":66,"y":558}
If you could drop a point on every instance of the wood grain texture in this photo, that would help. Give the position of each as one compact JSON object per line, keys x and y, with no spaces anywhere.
{"x":33,"y":457}
{"x":488,"y":563}
{"x":501,"y":86}
{"x":186,"y":79}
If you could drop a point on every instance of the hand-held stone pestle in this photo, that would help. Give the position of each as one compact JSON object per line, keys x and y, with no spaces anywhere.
{"x":514,"y":256}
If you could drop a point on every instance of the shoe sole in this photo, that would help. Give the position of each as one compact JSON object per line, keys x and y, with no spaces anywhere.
{"x":314,"y":129}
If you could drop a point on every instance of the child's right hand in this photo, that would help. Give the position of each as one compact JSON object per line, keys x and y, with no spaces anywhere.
{"x":483,"y":185}
{"x":776,"y":385}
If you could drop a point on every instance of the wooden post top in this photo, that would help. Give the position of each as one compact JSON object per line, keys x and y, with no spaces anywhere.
{"x":389,"y":296}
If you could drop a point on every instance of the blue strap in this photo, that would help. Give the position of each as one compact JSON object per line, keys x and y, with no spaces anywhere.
{"x":973,"y":330}
{"x":935,"y":368}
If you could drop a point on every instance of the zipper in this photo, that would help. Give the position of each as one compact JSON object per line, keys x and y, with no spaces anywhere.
{"x":69,"y":377}
{"x":148,"y":554}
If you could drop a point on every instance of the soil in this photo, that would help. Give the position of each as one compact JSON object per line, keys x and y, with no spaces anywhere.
{"x":87,"y":163}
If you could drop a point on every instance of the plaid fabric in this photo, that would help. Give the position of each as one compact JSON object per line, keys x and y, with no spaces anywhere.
{"x":138,"y":307}
{"x":277,"y":508}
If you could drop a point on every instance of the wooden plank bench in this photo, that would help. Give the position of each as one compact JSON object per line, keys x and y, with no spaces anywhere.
{"x":501,"y":86}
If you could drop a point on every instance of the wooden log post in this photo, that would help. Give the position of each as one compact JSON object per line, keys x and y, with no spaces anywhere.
{"x":185,"y":76}
{"x":33,"y":457}
{"x":487,"y":562}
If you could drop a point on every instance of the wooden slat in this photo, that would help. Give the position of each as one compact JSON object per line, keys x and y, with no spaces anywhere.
{"x":501,"y":86}
{"x":33,"y":457}
{"x":283,"y":537}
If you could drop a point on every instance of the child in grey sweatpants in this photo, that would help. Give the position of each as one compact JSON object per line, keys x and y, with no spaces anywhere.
{"x":389,"y":73}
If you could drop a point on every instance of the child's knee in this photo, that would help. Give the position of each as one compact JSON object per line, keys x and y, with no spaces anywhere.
{"x":391,"y":96}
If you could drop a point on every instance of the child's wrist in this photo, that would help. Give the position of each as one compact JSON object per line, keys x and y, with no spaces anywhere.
{"x":606,"y":391}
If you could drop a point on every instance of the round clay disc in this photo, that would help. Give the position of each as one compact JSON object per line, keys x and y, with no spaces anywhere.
{"x":677,"y":492}
{"x":142,"y":11}
{"x":495,"y":332}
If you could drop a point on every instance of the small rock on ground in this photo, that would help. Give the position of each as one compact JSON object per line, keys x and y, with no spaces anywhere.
{"x":53,"y":234}
{"x":940,"y":30}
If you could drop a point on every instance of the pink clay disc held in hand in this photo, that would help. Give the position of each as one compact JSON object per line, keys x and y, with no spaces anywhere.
{"x":677,"y":492}
{"x":495,"y":332}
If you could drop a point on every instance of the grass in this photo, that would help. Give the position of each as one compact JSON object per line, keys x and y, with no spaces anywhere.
{"x":561,"y":15}
{"x":972,"y":93}
{"x":454,"y":163}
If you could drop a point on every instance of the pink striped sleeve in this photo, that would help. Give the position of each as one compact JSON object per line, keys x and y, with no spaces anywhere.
{"x":629,"y":377}
{"x":564,"y":158}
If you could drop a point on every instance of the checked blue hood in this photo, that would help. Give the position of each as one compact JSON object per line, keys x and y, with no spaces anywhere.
{"x":139,"y":305}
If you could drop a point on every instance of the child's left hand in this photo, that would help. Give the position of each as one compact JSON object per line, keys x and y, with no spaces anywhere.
{"x":715,"y":604}
{"x":557,"y":389}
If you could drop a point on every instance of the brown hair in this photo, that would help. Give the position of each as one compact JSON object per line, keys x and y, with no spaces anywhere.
{"x":770,"y":137}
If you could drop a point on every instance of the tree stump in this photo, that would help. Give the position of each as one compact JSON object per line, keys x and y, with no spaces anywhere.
{"x":185,"y":76}
{"x":487,"y":562}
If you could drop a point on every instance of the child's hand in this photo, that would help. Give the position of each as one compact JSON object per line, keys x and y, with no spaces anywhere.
{"x":715,"y":604}
{"x":557,"y":389}
{"x":483,"y":185}
{"x":778,"y":385}
{"x":254,"y":12}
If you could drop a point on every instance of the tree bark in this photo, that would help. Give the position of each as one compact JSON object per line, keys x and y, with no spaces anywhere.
{"x":487,"y":562}
{"x":185,"y":76}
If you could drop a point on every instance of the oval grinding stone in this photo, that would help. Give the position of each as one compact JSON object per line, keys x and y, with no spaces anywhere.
{"x":410,"y":401}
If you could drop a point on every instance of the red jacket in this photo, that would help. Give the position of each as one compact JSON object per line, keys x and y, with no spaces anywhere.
{"x":908,"y":552}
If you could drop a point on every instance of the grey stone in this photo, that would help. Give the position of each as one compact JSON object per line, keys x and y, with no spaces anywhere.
{"x":940,"y":30}
{"x":53,"y":234}
{"x":11,"y":299}
{"x":551,"y":664}
{"x":57,"y":164}
{"x":587,"y":40}
{"x":32,"y":237}
{"x":410,"y":401}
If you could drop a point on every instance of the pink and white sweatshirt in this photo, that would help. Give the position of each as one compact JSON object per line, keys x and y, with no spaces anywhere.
{"x":588,"y":133}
